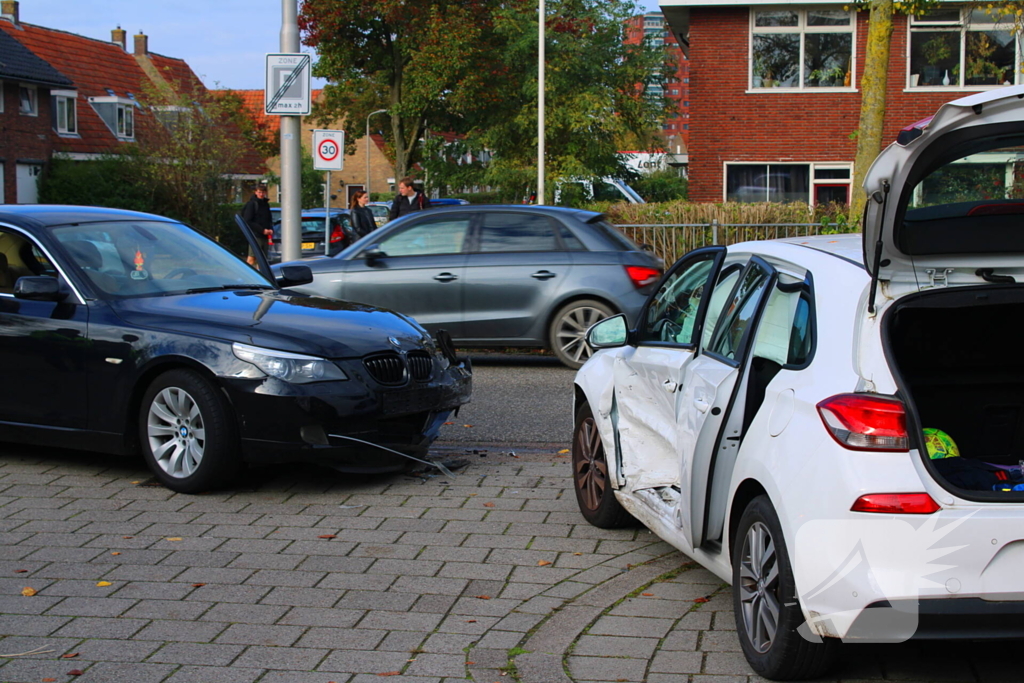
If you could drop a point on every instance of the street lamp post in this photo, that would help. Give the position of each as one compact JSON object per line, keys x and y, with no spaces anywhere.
{"x":542,"y":22}
{"x":379,"y":111}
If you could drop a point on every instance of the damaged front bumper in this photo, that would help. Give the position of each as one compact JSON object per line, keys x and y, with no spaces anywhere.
{"x":325,"y":422}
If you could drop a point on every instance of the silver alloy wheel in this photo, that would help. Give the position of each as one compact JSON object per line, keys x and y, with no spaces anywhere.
{"x":759,"y":587}
{"x":589,"y":466}
{"x":177,"y":434}
{"x":571,"y":330}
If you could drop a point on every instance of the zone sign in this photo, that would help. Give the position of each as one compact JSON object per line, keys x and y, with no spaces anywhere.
{"x":328,"y":150}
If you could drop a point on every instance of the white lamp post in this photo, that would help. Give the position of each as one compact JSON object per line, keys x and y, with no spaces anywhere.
{"x":542,"y":21}
{"x":368,"y":141}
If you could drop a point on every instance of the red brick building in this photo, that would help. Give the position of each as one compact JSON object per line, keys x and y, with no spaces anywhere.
{"x":97,"y":110}
{"x":676,"y":126}
{"x":774,"y":91}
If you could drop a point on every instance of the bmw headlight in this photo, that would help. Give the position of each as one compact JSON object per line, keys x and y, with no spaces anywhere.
{"x":289,"y":367}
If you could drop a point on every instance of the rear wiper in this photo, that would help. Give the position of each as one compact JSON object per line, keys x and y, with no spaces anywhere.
{"x":221,"y":288}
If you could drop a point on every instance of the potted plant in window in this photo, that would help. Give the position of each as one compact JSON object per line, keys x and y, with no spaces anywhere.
{"x":935,"y":51}
{"x":979,"y":67}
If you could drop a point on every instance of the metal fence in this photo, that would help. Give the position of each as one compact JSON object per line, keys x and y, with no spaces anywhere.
{"x":670,"y":241}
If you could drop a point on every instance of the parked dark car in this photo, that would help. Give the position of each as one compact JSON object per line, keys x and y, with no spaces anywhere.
{"x":497,"y":276}
{"x":313,"y":229}
{"x":126,"y":332}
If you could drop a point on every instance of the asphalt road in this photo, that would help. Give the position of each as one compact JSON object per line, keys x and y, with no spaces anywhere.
{"x":518,"y":400}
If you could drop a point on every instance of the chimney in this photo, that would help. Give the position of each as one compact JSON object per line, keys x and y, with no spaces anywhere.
{"x":141,"y":44}
{"x":119,"y":37}
{"x":9,"y":11}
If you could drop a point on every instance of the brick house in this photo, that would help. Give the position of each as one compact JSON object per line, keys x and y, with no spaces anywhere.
{"x":99,"y":111}
{"x":29,"y":87}
{"x":775,"y":99}
{"x":353,"y":176}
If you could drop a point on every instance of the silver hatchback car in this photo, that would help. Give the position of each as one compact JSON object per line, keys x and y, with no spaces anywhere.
{"x":497,"y":276}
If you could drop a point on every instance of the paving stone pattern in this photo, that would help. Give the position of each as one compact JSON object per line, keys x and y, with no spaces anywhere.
{"x":302,"y":575}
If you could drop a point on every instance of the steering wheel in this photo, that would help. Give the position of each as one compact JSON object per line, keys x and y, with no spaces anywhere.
{"x":180,"y":273}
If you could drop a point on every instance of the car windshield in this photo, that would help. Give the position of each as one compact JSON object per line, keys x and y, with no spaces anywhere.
{"x":152,"y":258}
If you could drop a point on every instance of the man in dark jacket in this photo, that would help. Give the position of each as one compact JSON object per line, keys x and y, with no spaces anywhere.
{"x":408,"y":200}
{"x":256,"y":214}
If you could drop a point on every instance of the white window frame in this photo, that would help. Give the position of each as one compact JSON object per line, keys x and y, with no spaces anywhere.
{"x":124,"y":115}
{"x":802,"y":29}
{"x":964,"y":25}
{"x":70,"y":100}
{"x":813,"y":168}
{"x":33,"y":94}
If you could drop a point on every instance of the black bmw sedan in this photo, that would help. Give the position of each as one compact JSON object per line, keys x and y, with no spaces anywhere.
{"x":124,"y":332}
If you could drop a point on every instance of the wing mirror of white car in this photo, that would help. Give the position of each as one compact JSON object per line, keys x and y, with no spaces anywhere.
{"x":609,"y":333}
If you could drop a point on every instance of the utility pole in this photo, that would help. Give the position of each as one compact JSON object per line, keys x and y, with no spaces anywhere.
{"x":291,"y":184}
{"x":542,"y":21}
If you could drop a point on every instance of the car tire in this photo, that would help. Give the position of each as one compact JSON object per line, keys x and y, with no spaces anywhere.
{"x":569,"y":327}
{"x":590,"y":475}
{"x":765,"y":602}
{"x":188,"y":437}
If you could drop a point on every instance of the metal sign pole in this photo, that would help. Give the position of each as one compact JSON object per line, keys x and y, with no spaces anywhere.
{"x":327,"y":216}
{"x":291,"y":184}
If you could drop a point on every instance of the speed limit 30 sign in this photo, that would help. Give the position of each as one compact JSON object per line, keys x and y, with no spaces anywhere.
{"x":328,"y":150}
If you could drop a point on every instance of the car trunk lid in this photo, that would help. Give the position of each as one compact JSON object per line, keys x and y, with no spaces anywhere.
{"x":944,"y":201}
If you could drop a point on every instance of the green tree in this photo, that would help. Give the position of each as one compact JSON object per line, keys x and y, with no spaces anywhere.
{"x":594,"y":93}
{"x":421,"y":60}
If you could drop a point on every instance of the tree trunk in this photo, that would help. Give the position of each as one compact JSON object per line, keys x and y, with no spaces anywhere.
{"x":873,"y":98}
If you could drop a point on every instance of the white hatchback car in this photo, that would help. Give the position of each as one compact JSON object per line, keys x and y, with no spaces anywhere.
{"x":767,"y":415}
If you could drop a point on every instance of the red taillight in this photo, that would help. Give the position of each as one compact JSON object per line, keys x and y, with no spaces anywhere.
{"x":896,"y":504}
{"x":337,"y":234}
{"x":642,"y":275}
{"x":864,"y":422}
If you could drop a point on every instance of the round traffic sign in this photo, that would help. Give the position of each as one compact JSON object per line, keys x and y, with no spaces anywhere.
{"x":328,"y":150}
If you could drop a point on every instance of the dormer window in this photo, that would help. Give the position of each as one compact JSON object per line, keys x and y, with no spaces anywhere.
{"x":170,"y":116}
{"x":65,"y":111}
{"x":118,"y":113}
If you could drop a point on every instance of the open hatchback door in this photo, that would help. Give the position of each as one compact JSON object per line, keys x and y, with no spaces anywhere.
{"x":946,"y":200}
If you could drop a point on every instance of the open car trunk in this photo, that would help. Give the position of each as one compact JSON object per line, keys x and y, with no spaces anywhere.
{"x":959,"y":356}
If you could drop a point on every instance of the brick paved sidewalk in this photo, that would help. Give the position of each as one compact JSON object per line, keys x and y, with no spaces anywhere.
{"x":308,"y":576}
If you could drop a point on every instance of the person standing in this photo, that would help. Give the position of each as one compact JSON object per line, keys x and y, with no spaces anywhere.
{"x":408,"y":200}
{"x":362,"y":217}
{"x":256,"y":214}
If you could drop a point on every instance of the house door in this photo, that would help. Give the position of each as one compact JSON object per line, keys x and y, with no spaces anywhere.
{"x":28,"y":188}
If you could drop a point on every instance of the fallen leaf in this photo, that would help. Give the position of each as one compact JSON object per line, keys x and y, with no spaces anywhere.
{"x":391,"y":673}
{"x":173,"y":538}
{"x":647,"y":595}
{"x":327,"y":536}
{"x":564,"y":450}
{"x":198,"y":585}
{"x":410,"y":660}
{"x":471,"y":495}
{"x":69,"y":655}
{"x":701,"y":600}
{"x":470,"y":663}
{"x":542,"y":563}
{"x":488,"y":505}
{"x":483,"y":597}
{"x":577,"y":553}
{"x":470,"y":621}
{"x":127,"y":537}
{"x":75,"y":672}
{"x":49,"y":680}
{"x":28,"y":592}
{"x":104,"y":584}
{"x":467,"y":426}
{"x":449,"y":423}
{"x":21,"y":571}
{"x":115,"y":553}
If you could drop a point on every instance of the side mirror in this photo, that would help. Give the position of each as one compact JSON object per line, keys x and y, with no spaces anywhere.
{"x":373,"y":253}
{"x":609,"y":333}
{"x":293,"y":276}
{"x":39,"y":288}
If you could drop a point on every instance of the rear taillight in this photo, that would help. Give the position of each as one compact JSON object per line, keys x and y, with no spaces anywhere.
{"x":641,"y":276}
{"x":864,"y":422}
{"x":896,"y":504}
{"x":337,"y":234}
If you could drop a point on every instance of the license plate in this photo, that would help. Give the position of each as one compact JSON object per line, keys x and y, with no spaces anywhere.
{"x":416,"y":401}
{"x":309,"y":245}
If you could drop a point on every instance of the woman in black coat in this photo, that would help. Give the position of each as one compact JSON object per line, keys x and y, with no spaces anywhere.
{"x":362,"y":217}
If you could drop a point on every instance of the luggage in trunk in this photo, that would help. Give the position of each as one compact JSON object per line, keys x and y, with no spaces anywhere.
{"x":959,"y":354}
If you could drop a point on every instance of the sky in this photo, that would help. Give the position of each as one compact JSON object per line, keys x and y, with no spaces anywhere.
{"x":224,"y":41}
